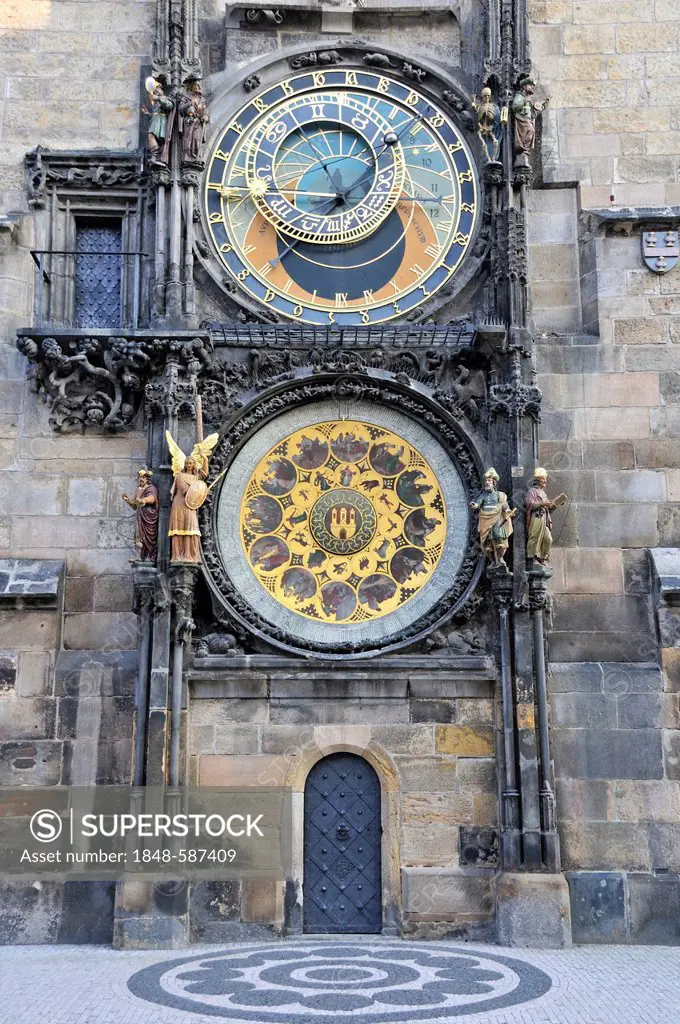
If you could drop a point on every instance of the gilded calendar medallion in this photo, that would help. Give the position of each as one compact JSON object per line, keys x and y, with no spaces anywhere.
{"x":343,"y":521}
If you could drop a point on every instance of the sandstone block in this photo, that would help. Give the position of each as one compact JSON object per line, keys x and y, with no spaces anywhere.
{"x":640,"y":331}
{"x":464,"y":740}
{"x":429,"y":845}
{"x":404,"y":739}
{"x":605,"y":846}
{"x":286,"y":739}
{"x":647,"y":38}
{"x":646,"y":801}
{"x":236,"y":739}
{"x":431,"y":895}
{"x":631,"y":486}
{"x":584,"y":800}
{"x":261,"y":901}
{"x":593,"y":570}
{"x":259,"y":771}
{"x":429,"y":775}
{"x":609,"y":424}
{"x":593,"y":39}
{"x":437,"y":809}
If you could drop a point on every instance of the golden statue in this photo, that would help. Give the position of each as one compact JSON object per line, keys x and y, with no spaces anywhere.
{"x":189,"y":491}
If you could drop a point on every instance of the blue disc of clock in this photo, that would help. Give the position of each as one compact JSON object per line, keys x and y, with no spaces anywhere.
{"x":369,"y":263}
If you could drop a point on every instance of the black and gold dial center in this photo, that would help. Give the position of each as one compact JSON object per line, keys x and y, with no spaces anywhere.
{"x":342,"y":521}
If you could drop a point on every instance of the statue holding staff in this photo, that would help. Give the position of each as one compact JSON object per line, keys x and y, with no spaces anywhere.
{"x":495,"y":519}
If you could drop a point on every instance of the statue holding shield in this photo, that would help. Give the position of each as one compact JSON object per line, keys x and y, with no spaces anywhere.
{"x":189,"y":491}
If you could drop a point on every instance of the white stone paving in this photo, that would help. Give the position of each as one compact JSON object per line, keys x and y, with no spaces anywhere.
{"x":88,"y":985}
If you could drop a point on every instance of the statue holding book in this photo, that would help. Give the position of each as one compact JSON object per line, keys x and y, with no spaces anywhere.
{"x":538,"y":507}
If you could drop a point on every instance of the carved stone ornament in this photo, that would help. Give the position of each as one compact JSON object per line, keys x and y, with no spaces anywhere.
{"x":45,"y":168}
{"x":660,"y":250}
{"x":515,"y":399}
{"x":251,"y":82}
{"x":314,"y":58}
{"x":99,"y":381}
{"x":322,"y":386}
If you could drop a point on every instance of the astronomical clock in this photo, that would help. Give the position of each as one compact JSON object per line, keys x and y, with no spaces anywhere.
{"x":343,"y":197}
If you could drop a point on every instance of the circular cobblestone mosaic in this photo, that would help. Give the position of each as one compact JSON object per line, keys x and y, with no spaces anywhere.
{"x":364,"y":983}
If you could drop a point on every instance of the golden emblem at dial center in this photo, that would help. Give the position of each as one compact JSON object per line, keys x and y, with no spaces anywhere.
{"x":343,"y":521}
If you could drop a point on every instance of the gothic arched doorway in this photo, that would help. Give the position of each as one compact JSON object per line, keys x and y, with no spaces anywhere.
{"x":342,"y":847}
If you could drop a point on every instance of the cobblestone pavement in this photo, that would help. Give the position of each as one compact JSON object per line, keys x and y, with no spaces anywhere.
{"x":370,"y":981}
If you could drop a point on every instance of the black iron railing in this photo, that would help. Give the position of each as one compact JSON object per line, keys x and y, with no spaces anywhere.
{"x":453,"y":336}
{"x":64,"y":275}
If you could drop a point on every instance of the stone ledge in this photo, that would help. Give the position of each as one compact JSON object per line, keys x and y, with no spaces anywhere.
{"x":32,"y":581}
{"x":665,"y":563}
{"x":258,"y":676}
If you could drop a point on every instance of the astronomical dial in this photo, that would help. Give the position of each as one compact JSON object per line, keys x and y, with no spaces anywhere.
{"x":341,"y":197}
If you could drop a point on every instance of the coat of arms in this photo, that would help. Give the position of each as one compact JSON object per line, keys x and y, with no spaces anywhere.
{"x":660,"y":250}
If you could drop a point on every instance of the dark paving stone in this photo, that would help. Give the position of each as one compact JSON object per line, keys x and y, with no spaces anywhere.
{"x":598,"y":906}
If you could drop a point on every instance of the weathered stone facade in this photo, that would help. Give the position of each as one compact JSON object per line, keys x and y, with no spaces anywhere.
{"x":484,"y":807}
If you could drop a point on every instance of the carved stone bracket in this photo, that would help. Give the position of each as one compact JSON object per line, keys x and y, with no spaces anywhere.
{"x":182,"y":579}
{"x":97,"y":379}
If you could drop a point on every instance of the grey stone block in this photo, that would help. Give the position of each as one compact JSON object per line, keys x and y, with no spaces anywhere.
{"x":90,"y":673}
{"x":665,"y":569}
{"x":30,"y":913}
{"x":226,"y":685}
{"x":8,"y":672}
{"x":598,"y":906}
{"x":654,"y":902}
{"x":277,"y":739}
{"x":636,"y":572}
{"x":640,"y":711}
{"x":86,"y":913}
{"x":664,"y":846}
{"x":671,"y":754}
{"x":582,"y":799}
{"x":618,"y":526}
{"x":30,"y":763}
{"x":211,"y":906}
{"x":533,"y":911}
{"x":605,"y":677}
{"x":433,"y":711}
{"x":575,"y":710}
{"x":608,"y":753}
{"x":30,"y":718}
{"x":668,"y":524}
{"x":590,"y":646}
{"x":346,"y":685}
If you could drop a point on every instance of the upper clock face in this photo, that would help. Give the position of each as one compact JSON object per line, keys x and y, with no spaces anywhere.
{"x":341,"y":197}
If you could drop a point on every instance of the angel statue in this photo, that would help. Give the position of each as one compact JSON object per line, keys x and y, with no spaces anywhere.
{"x":189,"y":491}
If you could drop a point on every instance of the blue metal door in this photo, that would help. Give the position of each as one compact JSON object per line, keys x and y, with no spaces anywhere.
{"x":342,"y":887}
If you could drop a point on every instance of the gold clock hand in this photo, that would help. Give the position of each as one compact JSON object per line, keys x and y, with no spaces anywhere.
{"x":235,"y":192}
